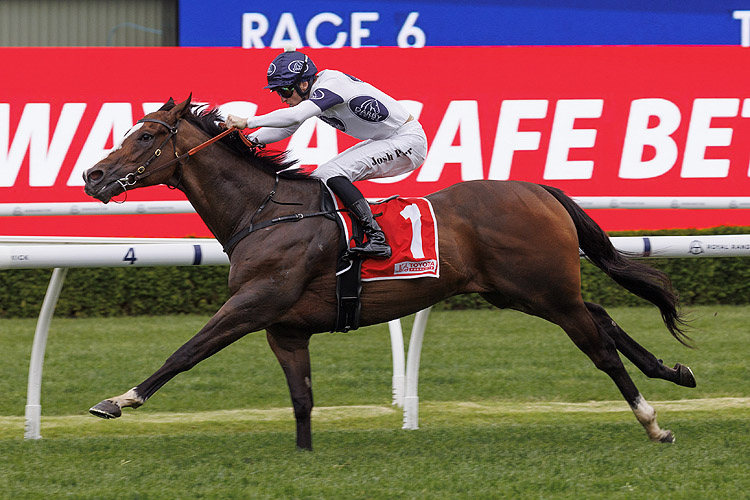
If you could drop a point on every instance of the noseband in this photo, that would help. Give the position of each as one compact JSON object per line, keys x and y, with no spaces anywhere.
{"x":133,"y":177}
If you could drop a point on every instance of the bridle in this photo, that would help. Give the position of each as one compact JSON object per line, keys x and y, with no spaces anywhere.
{"x":141,"y":172}
{"x":133,"y":177}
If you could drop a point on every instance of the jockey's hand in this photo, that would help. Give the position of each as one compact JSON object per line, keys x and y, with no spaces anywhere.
{"x":236,"y":122}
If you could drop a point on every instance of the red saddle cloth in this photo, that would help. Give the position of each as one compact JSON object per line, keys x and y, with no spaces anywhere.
{"x":411,"y":230}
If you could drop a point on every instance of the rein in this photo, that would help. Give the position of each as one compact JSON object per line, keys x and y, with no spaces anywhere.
{"x":141,"y":173}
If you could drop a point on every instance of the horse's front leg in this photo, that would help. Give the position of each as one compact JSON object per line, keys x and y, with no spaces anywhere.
{"x":237,"y":317}
{"x":294,"y":357}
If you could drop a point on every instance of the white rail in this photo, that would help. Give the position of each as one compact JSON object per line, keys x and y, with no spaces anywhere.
{"x":209,"y":252}
{"x":184,"y":207}
{"x":659,"y":202}
{"x":89,"y":240}
{"x":141,"y":255}
{"x":96,"y":208}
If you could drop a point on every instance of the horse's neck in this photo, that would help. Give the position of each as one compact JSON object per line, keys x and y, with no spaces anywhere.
{"x":220,"y":189}
{"x":226,"y":191}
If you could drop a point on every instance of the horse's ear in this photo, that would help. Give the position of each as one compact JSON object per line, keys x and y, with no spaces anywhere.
{"x":184,"y":106}
{"x":167,"y":105}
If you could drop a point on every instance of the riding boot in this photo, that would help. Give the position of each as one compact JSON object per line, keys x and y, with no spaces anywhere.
{"x":375,"y":246}
{"x":355,"y":202}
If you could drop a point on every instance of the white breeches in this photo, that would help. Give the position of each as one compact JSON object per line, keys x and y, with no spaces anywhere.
{"x":400,"y":153}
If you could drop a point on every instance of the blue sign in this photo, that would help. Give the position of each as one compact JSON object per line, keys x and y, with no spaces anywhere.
{"x":415,"y":23}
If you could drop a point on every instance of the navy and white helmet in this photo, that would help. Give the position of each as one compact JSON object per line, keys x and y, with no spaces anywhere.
{"x":289,"y":69}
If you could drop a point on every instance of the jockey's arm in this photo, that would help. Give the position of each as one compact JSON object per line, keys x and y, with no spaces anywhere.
{"x":285,"y":117}
{"x":277,"y":125}
{"x":268,"y":135}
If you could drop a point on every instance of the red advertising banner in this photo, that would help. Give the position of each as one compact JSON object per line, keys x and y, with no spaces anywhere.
{"x":594,"y":121}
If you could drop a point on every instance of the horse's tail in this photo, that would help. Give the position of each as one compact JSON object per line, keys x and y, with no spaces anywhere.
{"x":638,"y":278}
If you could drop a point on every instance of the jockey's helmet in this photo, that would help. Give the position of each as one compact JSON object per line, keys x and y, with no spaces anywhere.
{"x":290,"y":68}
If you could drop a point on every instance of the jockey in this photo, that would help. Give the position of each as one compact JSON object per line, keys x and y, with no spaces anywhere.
{"x":393,"y":141}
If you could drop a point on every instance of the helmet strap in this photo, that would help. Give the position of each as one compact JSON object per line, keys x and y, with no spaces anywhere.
{"x":306,"y":92}
{"x":299,"y":80}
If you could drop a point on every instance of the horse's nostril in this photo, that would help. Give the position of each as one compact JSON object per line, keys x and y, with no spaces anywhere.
{"x":95,"y":175}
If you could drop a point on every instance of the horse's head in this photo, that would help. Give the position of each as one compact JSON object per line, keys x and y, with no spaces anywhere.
{"x":138,"y":161}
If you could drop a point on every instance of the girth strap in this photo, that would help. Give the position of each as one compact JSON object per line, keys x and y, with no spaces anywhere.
{"x":242,"y":233}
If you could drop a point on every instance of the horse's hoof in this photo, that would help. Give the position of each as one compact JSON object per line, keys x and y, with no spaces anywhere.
{"x":686,"y":376}
{"x":106,"y":409}
{"x":668,"y":437}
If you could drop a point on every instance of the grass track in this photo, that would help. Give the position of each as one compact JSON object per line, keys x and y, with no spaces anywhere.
{"x":517,"y":415}
{"x":350,"y":417}
{"x":589,"y":456}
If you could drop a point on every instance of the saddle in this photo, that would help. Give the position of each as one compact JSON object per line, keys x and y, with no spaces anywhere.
{"x":412,"y":231}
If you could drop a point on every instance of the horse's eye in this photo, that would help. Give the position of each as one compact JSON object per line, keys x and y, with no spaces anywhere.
{"x":145,"y":137}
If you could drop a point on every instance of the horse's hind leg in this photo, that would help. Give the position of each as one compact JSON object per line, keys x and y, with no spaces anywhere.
{"x":601,"y":349}
{"x":294,"y":358}
{"x":637,"y":354}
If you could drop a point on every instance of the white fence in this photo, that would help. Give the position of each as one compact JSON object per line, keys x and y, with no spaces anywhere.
{"x":210,"y":252}
{"x":63,"y":253}
{"x":96,"y":208}
{"x":112,"y":255}
{"x":183,"y":207}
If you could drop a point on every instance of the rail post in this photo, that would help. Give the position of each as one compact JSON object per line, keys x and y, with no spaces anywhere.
{"x":34,"y":392}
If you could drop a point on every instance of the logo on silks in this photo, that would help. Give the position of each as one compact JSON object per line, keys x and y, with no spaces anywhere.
{"x":296,"y":66}
{"x":271,"y":70}
{"x":317,"y":95}
{"x":368,"y":108}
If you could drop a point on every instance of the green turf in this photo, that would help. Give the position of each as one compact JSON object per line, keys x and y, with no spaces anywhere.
{"x":504,"y":413}
{"x":581,"y":457}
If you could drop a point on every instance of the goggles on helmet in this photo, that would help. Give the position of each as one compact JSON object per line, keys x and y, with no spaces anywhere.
{"x":285,"y":92}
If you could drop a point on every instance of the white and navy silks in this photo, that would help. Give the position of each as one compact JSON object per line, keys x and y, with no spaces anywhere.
{"x":394,"y":142}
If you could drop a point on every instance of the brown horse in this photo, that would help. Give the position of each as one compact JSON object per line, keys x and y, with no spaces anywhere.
{"x":515,"y":243}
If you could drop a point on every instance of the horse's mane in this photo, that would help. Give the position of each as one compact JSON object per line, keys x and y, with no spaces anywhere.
{"x":210,"y":121}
